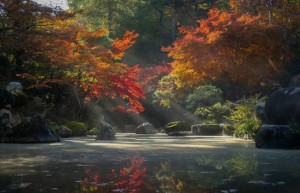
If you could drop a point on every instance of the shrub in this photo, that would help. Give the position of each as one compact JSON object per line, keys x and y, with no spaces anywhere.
{"x":244,"y":118}
{"x":78,"y":128}
{"x":206,"y":95}
{"x":54,"y":127}
{"x":216,"y":113}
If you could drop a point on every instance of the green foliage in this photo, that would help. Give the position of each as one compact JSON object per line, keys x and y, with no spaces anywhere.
{"x":54,"y":127}
{"x":78,"y":128}
{"x":216,"y":113}
{"x":244,"y":118}
{"x":165,"y":92}
{"x":203,"y":96}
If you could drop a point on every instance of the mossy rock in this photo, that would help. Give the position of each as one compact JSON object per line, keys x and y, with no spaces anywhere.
{"x":93,"y":131}
{"x":177,"y":126}
{"x":78,"y":128}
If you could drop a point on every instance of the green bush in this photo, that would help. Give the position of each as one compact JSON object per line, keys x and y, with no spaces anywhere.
{"x":203,"y":96}
{"x":78,"y":128}
{"x":54,"y":127}
{"x":216,"y":113}
{"x":244,"y":118}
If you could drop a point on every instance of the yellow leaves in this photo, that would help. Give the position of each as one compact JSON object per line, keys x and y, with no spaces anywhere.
{"x":239,"y":46}
{"x":99,"y":33}
{"x":213,"y":36}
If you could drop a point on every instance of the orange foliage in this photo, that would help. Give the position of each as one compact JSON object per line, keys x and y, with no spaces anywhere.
{"x":230,"y":45}
{"x":120,"y":45}
{"x":71,"y":53}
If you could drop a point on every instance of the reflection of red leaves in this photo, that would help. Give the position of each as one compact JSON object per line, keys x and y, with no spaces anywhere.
{"x":128,"y":179}
{"x":132,"y":177}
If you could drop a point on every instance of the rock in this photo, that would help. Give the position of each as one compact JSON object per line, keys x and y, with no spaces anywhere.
{"x":260,"y":113}
{"x":78,"y":128}
{"x":227,"y":129}
{"x":177,"y":126}
{"x":179,"y":133}
{"x":105,"y":131}
{"x":14,"y":87}
{"x":32,"y":130}
{"x":93,"y":131}
{"x":145,"y":128}
{"x":277,"y":136}
{"x":5,"y":98}
{"x":283,"y":106}
{"x":64,"y":131}
{"x":206,"y":129}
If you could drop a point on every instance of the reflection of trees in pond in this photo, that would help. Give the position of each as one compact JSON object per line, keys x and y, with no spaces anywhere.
{"x":173,"y":180}
{"x":241,"y":166}
{"x":207,"y":174}
{"x":128,"y":179}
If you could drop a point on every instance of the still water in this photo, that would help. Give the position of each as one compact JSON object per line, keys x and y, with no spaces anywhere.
{"x":148,"y":164}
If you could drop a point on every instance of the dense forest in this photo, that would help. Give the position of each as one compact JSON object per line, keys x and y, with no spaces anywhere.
{"x":151,"y":61}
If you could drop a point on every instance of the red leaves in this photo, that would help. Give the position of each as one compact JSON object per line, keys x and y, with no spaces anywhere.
{"x":229,"y":45}
{"x":127,"y":88}
{"x":149,"y":76}
{"x":66,"y":50}
{"x":120,"y":45}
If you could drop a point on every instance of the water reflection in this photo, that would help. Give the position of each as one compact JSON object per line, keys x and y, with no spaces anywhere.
{"x":77,"y":167}
{"x":126,"y":180}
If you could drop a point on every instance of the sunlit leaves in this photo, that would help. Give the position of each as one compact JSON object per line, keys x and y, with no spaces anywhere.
{"x":62,"y":51}
{"x":120,"y":45}
{"x":236,"y":46}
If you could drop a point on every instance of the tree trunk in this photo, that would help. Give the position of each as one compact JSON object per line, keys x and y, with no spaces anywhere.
{"x":173,"y":20}
{"x":110,"y":16}
{"x":269,"y":4}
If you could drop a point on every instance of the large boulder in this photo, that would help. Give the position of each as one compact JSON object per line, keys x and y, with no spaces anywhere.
{"x":145,"y":128}
{"x":105,"y":131}
{"x":283,"y":106}
{"x":14,"y":87}
{"x":277,"y":136}
{"x":207,"y":129}
{"x":180,"y":133}
{"x":32,"y":130}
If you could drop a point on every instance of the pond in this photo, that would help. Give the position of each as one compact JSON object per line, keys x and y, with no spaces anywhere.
{"x":148,"y":163}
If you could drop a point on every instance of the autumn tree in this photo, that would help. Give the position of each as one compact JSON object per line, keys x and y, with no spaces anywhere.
{"x":229,"y":45}
{"x":60,"y":51}
{"x":18,"y":21}
{"x":155,"y":20}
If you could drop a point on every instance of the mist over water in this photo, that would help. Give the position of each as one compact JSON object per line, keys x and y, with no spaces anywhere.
{"x":148,"y":163}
